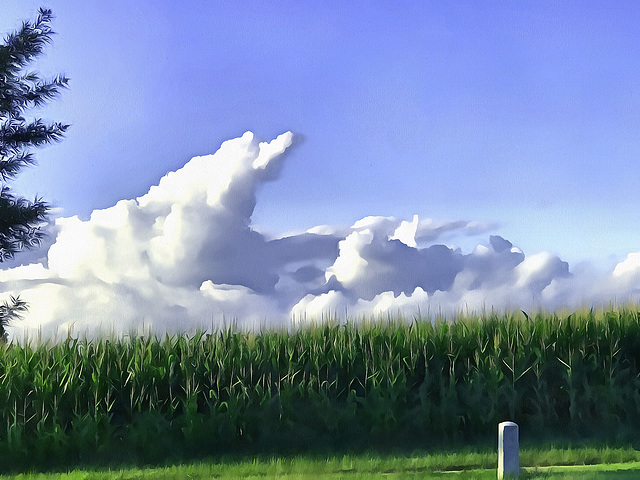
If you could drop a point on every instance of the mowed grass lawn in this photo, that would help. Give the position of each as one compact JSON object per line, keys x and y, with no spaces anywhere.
{"x":203,"y":471}
{"x":459,"y":466}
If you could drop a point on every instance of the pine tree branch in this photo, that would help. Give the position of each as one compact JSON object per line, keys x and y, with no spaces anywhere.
{"x":9,"y":311}
{"x":23,"y":46}
{"x":20,"y":223}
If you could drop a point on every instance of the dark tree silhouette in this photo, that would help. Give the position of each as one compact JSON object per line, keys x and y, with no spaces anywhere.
{"x":20,"y":219}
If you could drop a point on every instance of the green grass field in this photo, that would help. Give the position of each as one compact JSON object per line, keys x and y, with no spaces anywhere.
{"x":203,"y":471}
{"x":618,"y":465}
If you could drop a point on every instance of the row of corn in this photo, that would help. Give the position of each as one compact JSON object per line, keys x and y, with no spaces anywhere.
{"x":366,"y":384}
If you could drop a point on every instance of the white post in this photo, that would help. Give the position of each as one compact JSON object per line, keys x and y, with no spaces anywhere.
{"x":508,"y":444}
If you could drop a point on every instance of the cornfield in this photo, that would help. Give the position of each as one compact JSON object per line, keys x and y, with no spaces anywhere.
{"x":331,"y":387}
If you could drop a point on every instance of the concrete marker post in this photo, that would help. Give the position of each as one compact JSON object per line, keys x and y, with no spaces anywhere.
{"x":508,"y":446}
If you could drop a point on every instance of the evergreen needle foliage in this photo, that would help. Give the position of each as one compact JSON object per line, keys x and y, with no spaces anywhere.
{"x":21,"y":219}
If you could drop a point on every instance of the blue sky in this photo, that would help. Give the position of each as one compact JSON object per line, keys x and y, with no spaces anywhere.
{"x":523,"y":115}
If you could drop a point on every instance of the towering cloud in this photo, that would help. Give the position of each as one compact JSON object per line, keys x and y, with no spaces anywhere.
{"x":185,"y":256}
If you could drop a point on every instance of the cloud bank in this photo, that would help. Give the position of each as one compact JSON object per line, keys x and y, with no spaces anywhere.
{"x":185,"y":256}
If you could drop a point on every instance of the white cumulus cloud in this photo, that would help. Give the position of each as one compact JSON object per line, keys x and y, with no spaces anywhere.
{"x":185,"y":256}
